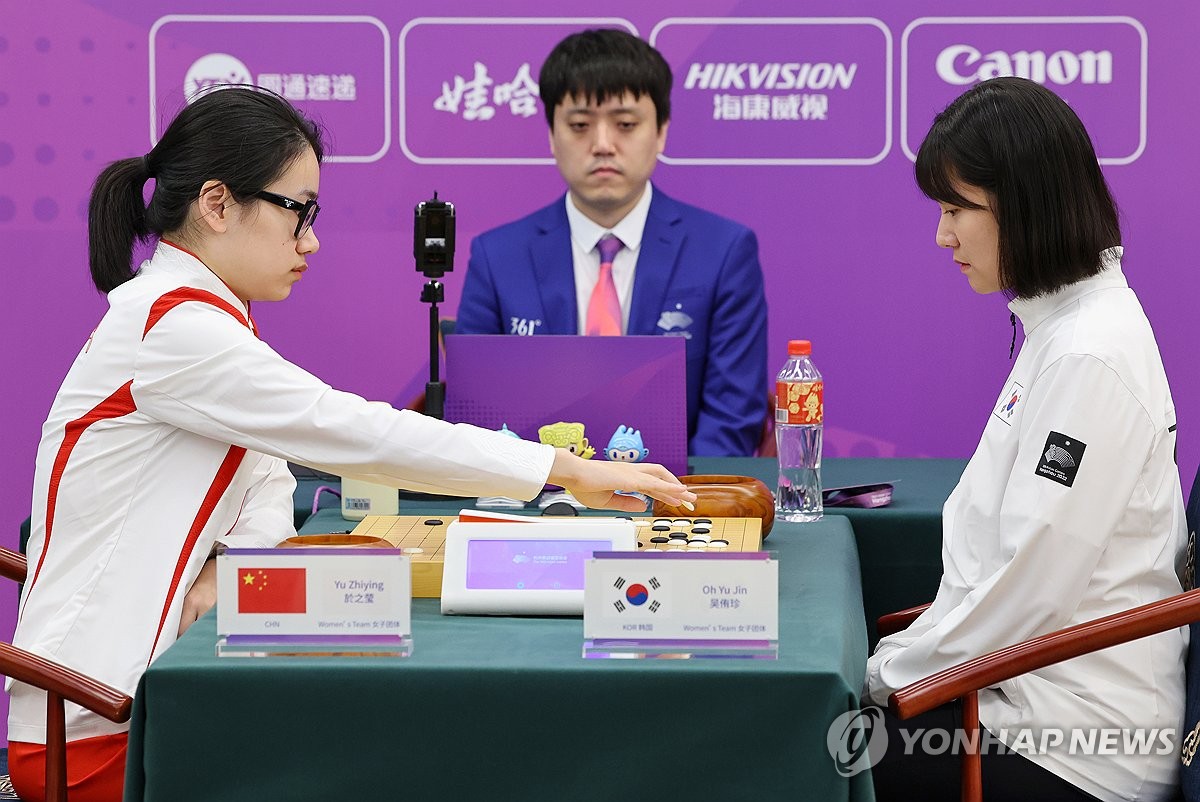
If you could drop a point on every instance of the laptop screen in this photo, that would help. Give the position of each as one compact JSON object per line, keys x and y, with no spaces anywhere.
{"x":602,"y":382}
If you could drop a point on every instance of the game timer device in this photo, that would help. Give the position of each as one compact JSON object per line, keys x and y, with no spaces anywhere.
{"x":498,"y":564}
{"x":423,"y":537}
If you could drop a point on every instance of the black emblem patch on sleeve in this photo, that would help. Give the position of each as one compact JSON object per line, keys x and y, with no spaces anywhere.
{"x":1060,"y":458}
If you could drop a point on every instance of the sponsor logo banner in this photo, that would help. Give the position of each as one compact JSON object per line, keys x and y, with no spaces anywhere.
{"x":778,"y":90}
{"x":468,"y":87}
{"x":1097,"y":64}
{"x":333,"y":68}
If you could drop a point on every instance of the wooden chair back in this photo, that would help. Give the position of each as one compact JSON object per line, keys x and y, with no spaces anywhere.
{"x":965,"y":680}
{"x":61,"y":685}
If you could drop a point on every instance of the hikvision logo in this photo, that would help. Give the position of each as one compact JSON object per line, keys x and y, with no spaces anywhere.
{"x":962,"y":64}
{"x":772,"y":75}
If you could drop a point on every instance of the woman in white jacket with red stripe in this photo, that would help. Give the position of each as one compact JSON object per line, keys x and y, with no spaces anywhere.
{"x":173,"y":428}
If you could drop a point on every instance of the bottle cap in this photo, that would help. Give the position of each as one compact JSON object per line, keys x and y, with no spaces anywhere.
{"x":799,"y":347}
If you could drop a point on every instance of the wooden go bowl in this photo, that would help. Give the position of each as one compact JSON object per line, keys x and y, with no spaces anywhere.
{"x":725,"y":496}
{"x":340,"y":541}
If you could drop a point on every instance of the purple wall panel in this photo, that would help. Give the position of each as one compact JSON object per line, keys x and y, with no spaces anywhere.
{"x":806,"y":143}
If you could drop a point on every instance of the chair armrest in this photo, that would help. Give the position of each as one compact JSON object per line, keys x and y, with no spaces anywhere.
{"x":41,"y":673}
{"x":894,"y":622}
{"x":1021,"y":658}
{"x":13,"y":564}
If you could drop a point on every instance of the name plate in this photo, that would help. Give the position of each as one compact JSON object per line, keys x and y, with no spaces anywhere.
{"x":320,"y":601}
{"x":681,"y":604}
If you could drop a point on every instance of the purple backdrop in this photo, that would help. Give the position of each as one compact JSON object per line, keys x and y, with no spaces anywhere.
{"x":800,"y":128}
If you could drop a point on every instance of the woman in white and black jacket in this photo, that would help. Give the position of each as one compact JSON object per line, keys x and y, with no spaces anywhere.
{"x":1071,"y":507}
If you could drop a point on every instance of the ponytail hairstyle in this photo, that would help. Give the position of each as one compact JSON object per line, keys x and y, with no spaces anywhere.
{"x":244,"y":137}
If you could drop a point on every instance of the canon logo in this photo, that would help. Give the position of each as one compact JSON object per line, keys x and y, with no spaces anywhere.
{"x":964,"y":64}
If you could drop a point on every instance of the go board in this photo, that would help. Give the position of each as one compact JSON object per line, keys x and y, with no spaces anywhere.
{"x":423,"y":539}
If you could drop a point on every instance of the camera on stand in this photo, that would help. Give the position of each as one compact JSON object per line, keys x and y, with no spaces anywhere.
{"x":433,"y":237}
{"x":433,"y":250}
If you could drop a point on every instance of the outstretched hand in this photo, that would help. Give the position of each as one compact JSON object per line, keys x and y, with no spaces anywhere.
{"x":594,"y":483}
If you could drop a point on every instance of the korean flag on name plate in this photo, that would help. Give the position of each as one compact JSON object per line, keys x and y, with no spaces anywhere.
{"x":636,"y":597}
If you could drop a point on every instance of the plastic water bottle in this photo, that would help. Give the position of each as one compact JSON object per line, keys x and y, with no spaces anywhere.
{"x":799,"y":415}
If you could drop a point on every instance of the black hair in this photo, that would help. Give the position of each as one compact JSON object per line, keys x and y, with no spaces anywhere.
{"x":597,"y":64}
{"x":244,"y":137}
{"x":1027,"y":149}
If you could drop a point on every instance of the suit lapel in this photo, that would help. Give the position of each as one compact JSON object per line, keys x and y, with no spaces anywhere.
{"x":553,"y":268}
{"x":661,"y":242}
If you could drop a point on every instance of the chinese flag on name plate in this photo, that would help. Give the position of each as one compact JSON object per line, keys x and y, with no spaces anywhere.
{"x":271,"y":590}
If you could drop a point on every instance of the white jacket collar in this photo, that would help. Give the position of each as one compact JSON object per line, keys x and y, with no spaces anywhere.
{"x":176,"y":261}
{"x":1032,"y":311}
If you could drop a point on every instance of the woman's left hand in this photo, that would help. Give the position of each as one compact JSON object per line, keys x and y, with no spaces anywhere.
{"x":201,"y":596}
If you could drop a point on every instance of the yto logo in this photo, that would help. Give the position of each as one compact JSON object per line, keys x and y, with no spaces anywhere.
{"x":214,"y":69}
{"x":962,"y":64}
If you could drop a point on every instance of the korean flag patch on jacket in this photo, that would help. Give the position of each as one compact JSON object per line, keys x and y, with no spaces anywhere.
{"x":1060,"y":458}
{"x":1007,"y":407}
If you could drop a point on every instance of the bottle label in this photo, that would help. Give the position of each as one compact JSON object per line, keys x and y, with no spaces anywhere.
{"x":800,"y":402}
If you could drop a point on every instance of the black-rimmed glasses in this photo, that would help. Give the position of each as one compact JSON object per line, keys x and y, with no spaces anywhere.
{"x":307,"y":210}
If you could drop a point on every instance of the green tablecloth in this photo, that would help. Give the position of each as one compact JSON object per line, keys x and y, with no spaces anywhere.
{"x":505,"y":708}
{"x":899,"y":546}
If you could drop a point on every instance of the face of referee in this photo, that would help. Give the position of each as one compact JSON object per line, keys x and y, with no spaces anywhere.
{"x":606,"y":152}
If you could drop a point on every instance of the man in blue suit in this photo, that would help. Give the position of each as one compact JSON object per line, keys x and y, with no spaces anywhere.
{"x":678,"y":271}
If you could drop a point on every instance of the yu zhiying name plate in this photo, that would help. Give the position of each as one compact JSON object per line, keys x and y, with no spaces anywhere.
{"x":329,"y":601}
{"x":681,"y":605}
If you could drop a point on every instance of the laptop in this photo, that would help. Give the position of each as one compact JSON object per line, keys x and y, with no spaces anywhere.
{"x":601,"y":382}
